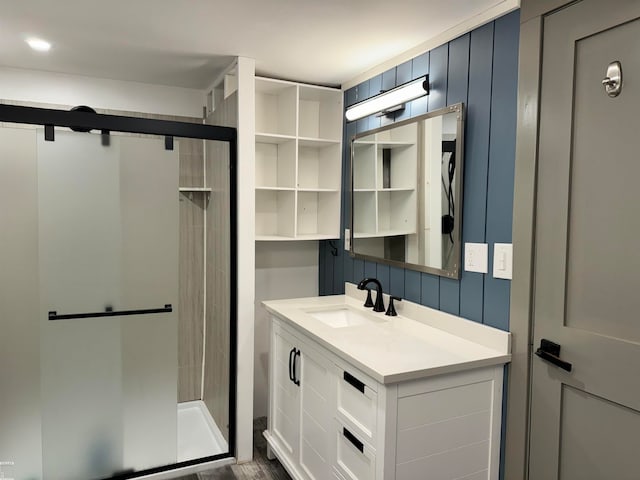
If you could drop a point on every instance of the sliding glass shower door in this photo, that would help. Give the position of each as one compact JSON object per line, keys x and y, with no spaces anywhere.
{"x":108,"y":243}
{"x":89,"y":297}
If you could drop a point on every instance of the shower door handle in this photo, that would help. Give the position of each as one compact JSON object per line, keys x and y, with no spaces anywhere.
{"x":53,"y":315}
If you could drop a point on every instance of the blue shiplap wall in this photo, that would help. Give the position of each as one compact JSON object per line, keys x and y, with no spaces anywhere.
{"x":481,"y":70}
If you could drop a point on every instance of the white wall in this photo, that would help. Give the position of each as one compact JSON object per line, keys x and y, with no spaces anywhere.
{"x":283,"y":270}
{"x":62,"y":89}
{"x":246,"y":172}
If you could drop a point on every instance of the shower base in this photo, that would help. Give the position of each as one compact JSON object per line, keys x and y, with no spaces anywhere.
{"x":198,"y":434}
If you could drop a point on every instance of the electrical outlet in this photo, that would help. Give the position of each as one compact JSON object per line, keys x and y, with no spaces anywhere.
{"x":347,"y":239}
{"x":475,"y":257}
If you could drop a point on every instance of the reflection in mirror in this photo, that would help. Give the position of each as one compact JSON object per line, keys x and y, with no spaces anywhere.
{"x":406,"y":192}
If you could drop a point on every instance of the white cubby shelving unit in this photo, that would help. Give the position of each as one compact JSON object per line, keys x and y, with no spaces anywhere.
{"x":298,"y":161}
{"x":382,"y":210}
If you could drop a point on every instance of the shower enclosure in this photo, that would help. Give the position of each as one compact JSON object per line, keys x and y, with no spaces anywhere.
{"x":90,"y":256}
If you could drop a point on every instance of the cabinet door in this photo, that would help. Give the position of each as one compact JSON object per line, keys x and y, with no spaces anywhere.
{"x":285,"y":394}
{"x":317,"y":410}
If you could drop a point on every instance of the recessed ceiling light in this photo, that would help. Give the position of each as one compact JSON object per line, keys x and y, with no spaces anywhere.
{"x":38,"y":44}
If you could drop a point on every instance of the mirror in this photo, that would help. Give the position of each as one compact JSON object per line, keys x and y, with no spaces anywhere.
{"x":406,"y":192}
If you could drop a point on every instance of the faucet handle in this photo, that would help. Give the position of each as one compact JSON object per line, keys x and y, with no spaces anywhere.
{"x":369,"y":302}
{"x":391,"y":311}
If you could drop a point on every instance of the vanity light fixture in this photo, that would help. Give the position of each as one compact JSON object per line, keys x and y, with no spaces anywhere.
{"x":389,"y":101}
{"x":38,"y":44}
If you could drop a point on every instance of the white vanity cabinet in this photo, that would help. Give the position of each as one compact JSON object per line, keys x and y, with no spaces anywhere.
{"x":330,"y":420}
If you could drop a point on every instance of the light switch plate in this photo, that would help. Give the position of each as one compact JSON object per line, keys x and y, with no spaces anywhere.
{"x":475,"y":257}
{"x":502,"y":260}
{"x":347,"y":239}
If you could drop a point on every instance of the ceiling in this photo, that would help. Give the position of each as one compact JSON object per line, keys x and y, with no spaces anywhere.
{"x":188,"y":43}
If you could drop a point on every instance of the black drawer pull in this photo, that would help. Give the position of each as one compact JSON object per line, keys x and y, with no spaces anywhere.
{"x":353,"y":381}
{"x":351,"y":437}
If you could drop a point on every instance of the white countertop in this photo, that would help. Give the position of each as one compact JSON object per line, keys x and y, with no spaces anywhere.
{"x":419,"y":342}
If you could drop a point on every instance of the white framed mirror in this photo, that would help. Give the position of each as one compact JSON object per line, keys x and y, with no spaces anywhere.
{"x":406,"y":192}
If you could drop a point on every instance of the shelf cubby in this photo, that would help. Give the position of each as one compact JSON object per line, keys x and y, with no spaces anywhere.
{"x":275,"y":107}
{"x":319,"y":167}
{"x":275,"y":164}
{"x":403,"y":167}
{"x":397,"y":212}
{"x":319,"y":113}
{"x":316,"y":214}
{"x":366,"y":222}
{"x":364,"y":167}
{"x":275,"y":214}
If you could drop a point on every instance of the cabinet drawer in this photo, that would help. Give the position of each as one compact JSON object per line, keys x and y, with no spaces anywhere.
{"x":355,"y":459}
{"x":336,"y":475}
{"x":357,"y":401}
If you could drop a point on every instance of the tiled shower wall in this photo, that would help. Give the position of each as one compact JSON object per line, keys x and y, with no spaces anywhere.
{"x":480,"y":69}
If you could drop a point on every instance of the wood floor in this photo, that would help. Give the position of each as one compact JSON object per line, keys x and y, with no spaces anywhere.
{"x":261,"y":468}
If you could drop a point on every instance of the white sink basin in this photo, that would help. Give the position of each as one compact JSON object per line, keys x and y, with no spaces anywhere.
{"x":341,"y":317}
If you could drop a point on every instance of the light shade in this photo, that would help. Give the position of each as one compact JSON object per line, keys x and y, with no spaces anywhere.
{"x":389,"y":99}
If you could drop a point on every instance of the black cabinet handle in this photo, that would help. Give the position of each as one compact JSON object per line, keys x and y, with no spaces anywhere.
{"x":295,"y":377}
{"x":352,"y":438}
{"x":353,"y":381}
{"x":550,"y":352}
{"x":291,"y":371}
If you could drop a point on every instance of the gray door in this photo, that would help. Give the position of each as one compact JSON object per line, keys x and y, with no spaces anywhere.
{"x":585,"y":423}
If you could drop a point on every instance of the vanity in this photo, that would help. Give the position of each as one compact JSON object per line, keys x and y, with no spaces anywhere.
{"x":358,"y":395}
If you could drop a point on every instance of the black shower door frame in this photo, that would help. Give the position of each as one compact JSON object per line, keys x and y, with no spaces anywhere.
{"x":85,"y":121}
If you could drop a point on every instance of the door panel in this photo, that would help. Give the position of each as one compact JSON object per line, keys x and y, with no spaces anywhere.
{"x":285,"y":409}
{"x":596,"y":438}
{"x":316,"y":414}
{"x":586,"y":270}
{"x":603,"y":219}
{"x":108,"y":238}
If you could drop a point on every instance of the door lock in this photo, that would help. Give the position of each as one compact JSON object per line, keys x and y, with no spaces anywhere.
{"x":613,"y":81}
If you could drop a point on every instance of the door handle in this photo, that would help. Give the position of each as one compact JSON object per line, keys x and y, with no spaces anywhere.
{"x":550,"y":352}
{"x":295,"y":377}
{"x":291,"y":367}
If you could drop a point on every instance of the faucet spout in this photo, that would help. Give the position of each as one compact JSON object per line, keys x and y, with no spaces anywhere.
{"x":379,"y":305}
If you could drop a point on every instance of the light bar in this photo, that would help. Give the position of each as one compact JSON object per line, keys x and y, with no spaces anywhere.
{"x":386,"y":101}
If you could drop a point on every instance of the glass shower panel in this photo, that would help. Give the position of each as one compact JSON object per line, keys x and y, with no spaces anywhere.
{"x":108,"y":230}
{"x":218,"y":264}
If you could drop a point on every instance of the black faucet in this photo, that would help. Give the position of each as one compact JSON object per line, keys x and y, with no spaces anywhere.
{"x":379,"y":305}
